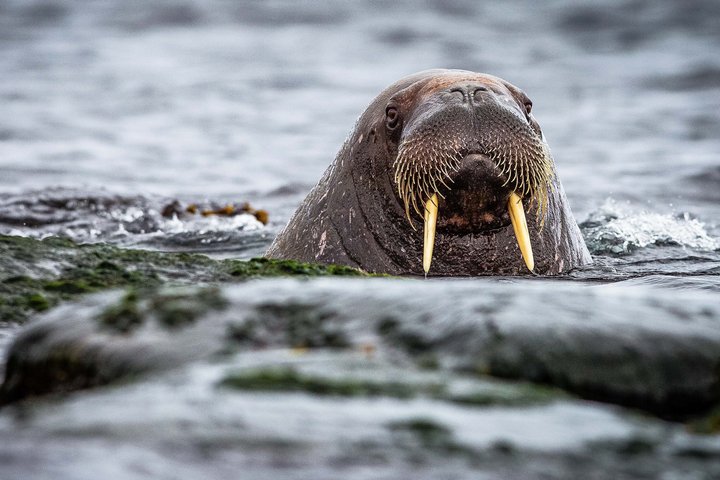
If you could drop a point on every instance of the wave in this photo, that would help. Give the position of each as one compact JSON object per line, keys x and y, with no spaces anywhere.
{"x":615,"y":229}
{"x":132,"y":220}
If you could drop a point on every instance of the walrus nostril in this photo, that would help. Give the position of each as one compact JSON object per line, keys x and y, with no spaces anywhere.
{"x":462,"y":93}
{"x":470,"y":92}
{"x":479,"y":92}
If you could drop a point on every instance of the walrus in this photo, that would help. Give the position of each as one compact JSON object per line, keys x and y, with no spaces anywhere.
{"x":446,"y":173}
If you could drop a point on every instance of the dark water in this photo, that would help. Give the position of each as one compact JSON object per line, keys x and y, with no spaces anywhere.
{"x":111,"y":110}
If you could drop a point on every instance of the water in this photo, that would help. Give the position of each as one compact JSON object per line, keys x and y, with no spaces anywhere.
{"x":237,"y":101}
{"x":109,"y":111}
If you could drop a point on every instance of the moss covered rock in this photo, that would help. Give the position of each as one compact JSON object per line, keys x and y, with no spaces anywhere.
{"x":36,"y":275}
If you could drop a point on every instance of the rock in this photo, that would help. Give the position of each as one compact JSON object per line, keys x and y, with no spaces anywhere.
{"x":635,"y":347}
{"x":127,"y":338}
{"x":281,"y":413}
{"x":382,"y":378}
{"x":36,"y":275}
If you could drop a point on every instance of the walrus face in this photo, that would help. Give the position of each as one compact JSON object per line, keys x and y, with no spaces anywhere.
{"x":468,"y":158}
{"x":458,"y":149}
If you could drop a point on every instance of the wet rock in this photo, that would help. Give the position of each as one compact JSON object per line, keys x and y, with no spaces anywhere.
{"x":38,"y":274}
{"x":109,"y":337}
{"x":632,"y":346}
{"x":188,"y":423}
{"x":389,"y":378}
{"x":173,"y":209}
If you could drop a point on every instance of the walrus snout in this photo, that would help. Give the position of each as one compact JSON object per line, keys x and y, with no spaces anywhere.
{"x":477,"y":201}
{"x":456,"y":122}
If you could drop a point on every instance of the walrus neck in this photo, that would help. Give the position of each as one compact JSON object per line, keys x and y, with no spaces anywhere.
{"x":374,"y":195}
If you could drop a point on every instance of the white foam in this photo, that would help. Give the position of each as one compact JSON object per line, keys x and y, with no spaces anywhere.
{"x":620,"y":228}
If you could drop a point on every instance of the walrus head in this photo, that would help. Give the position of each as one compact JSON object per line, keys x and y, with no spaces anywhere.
{"x":467,"y":151}
{"x":458,"y":152}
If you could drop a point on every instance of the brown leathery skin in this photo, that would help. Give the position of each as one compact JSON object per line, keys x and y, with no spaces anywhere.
{"x":355,"y":216}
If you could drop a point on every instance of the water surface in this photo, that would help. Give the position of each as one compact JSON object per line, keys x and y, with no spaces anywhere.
{"x":112,"y":110}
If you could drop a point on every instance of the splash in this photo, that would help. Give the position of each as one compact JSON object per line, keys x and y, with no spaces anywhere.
{"x":617,"y":229}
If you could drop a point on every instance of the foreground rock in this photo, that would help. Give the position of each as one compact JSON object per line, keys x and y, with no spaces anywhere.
{"x":36,"y":275}
{"x":630,"y":346}
{"x":192,"y":423}
{"x":356,"y":378}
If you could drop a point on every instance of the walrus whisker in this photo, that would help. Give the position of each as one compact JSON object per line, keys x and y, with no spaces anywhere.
{"x":445,"y":185}
{"x":426,"y":162}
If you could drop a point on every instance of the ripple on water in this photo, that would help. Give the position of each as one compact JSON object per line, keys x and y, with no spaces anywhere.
{"x":705,"y":282}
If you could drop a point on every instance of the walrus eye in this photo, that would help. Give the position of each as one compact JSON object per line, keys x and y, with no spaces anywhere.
{"x":392,"y":118}
{"x":528,"y":107}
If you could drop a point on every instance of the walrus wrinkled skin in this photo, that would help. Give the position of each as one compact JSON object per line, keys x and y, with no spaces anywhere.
{"x":467,"y":137}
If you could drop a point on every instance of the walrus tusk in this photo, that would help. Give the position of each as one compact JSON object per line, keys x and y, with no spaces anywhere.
{"x":517,"y":217}
{"x":431,"y":211}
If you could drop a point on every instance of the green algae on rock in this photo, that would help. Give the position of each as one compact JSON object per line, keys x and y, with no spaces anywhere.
{"x":302,"y":325}
{"x":36,"y":275}
{"x":289,"y":380}
{"x":515,"y":394}
{"x":171,"y":308}
{"x":363,"y":379}
{"x":266,"y":267}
